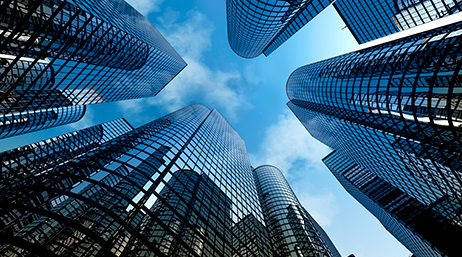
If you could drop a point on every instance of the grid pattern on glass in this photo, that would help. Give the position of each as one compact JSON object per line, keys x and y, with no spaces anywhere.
{"x":182,"y":184}
{"x":408,"y":87}
{"x":370,"y":20}
{"x":407,"y":219}
{"x":57,"y":54}
{"x":255,"y":25}
{"x":25,"y":160}
{"x":18,"y":123}
{"x":373,"y":150}
{"x":291,"y":228}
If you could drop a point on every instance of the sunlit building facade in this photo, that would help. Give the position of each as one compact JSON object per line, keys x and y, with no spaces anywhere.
{"x":293,"y":231}
{"x":372,"y":19}
{"x":394,"y":110}
{"x":258,"y":27}
{"x":181,"y":185}
{"x":61,"y":54}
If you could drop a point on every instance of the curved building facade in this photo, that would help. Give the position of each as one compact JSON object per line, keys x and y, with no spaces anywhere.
{"x":18,"y":123}
{"x":292,"y":230}
{"x":394,"y":110}
{"x":62,"y":53}
{"x":261,"y":26}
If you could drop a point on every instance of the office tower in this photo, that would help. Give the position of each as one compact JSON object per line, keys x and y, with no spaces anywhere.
{"x":369,"y":20}
{"x":404,"y":217}
{"x":292,"y":229}
{"x":394,"y":110}
{"x":256,"y":27}
{"x":180,"y":185}
{"x":57,"y":55}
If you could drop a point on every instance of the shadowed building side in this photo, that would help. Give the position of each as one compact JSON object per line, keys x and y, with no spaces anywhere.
{"x":420,"y":229}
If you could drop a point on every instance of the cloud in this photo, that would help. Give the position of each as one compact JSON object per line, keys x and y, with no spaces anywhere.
{"x":197,"y":83}
{"x":288,"y":146}
{"x":321,"y":206}
{"x":287,"y":143}
{"x":146,"y":7}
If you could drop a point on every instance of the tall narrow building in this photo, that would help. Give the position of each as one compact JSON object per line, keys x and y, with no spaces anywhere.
{"x":178,"y":186}
{"x":56,"y":55}
{"x":372,"y":19}
{"x":258,"y":27}
{"x":394,"y":110}
{"x":419,"y":228}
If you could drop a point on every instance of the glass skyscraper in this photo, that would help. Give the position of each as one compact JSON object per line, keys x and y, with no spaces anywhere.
{"x":261,"y":26}
{"x":63,"y":54}
{"x":404,"y":217}
{"x":181,"y":185}
{"x":394,"y":110}
{"x":372,"y":19}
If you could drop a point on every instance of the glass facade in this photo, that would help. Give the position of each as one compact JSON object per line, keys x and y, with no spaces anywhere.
{"x":393,"y":109}
{"x":67,"y":53}
{"x":17,"y":123}
{"x":261,"y":26}
{"x":409,"y":87}
{"x":292,"y":230}
{"x":404,"y":217}
{"x":373,"y":19}
{"x":181,"y":185}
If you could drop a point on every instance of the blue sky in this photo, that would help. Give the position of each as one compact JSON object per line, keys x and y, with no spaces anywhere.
{"x":251,"y":95}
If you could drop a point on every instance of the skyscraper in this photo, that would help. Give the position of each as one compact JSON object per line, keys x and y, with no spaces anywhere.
{"x":394,"y":110}
{"x":256,"y":27}
{"x":404,"y":217}
{"x":369,"y":20}
{"x":180,"y":185}
{"x":292,"y":229}
{"x":61,"y":55}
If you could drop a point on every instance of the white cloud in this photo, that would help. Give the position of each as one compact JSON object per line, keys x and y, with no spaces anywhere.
{"x":146,"y":7}
{"x":287,"y":142}
{"x":197,"y":83}
{"x":288,"y":146}
{"x":321,"y":206}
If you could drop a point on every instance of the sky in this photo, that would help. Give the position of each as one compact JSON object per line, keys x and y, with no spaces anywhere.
{"x":250,"y":93}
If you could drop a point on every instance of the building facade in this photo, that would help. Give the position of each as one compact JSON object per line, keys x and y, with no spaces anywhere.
{"x":393,"y":109}
{"x":293,"y":231}
{"x":258,"y":27}
{"x":178,"y":186}
{"x":405,"y":218}
{"x":369,"y":20}
{"x":62,"y":54}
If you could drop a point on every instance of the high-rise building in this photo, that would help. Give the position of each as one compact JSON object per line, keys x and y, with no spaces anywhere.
{"x":178,"y":186}
{"x":261,"y":26}
{"x":368,"y":20}
{"x":405,"y":218}
{"x":394,"y":110}
{"x":293,"y":231}
{"x":56,"y":55}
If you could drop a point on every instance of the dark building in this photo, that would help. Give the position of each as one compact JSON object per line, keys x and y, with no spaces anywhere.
{"x":372,"y":19}
{"x":181,"y":185}
{"x":394,"y":110}
{"x":261,"y":26}
{"x":59,"y":54}
{"x":404,"y":217}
